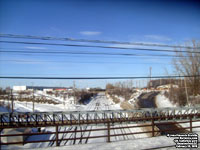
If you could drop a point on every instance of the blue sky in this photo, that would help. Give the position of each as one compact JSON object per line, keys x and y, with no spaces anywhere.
{"x":163,"y":22}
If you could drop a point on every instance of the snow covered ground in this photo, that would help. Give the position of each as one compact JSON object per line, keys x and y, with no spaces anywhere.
{"x":162,"y":101}
{"x":99,"y":102}
{"x":134,"y":97}
{"x":63,"y":105}
{"x":39,"y":107}
{"x":137,"y":144}
{"x":56,"y":99}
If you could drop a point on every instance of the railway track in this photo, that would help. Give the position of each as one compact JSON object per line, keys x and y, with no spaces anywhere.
{"x":121,"y":130}
{"x":77,"y":134}
{"x":84,"y":136}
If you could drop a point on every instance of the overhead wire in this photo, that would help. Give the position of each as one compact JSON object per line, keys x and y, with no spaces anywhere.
{"x":91,"y":56}
{"x":93,"y":78}
{"x":91,"y":41}
{"x":85,"y":53}
{"x":94,"y":53}
{"x":98,"y":46}
{"x":96,"y":62}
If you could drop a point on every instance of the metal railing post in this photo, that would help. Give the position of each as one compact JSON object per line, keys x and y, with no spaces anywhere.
{"x":108,"y":127}
{"x":190,"y":123}
{"x":152,"y":123}
{"x":0,"y":138}
{"x":57,"y":135}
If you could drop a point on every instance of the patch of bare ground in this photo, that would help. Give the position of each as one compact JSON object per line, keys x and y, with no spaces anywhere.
{"x":173,"y":128}
{"x":126,"y":105}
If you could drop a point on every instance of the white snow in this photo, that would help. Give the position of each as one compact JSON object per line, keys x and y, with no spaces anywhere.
{"x":39,"y":107}
{"x":162,"y":101}
{"x":135,"y":96}
{"x":56,"y":99}
{"x":137,"y":144}
{"x":117,"y":106}
{"x":99,"y":102}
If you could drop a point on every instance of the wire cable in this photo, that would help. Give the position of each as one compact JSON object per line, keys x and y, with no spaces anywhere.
{"x":96,"y":62}
{"x":93,"y":78}
{"x":90,"y":41}
{"x":97,"y":46}
{"x":87,"y":53}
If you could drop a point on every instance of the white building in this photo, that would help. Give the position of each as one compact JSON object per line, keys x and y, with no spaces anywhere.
{"x":19,"y":88}
{"x":47,"y":90}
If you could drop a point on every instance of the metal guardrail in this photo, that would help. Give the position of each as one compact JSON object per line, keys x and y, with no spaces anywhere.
{"x":20,"y":119}
{"x":109,"y":126}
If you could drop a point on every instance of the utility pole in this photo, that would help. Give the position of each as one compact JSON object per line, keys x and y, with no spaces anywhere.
{"x":11,"y":96}
{"x":136,"y":83}
{"x":182,"y":82}
{"x":74,"y":86}
{"x":139,"y":84}
{"x":186,"y":92}
{"x":150,"y":77}
{"x":33,"y":101}
{"x":160,"y":82}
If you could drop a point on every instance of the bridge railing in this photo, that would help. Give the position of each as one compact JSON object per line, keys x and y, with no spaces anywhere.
{"x":73,"y":117}
{"x":151,"y":125}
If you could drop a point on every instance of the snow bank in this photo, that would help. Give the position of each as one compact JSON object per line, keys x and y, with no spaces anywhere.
{"x":162,"y":101}
{"x":135,"y":96}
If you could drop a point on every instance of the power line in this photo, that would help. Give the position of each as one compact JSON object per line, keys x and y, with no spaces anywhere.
{"x":17,"y":74}
{"x":97,"y":46}
{"x":90,"y":41}
{"x":86,"y":53}
{"x":89,"y":56}
{"x":96,"y":62}
{"x":91,"y":78}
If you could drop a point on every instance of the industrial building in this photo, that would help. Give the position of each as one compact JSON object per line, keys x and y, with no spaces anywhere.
{"x":41,"y":88}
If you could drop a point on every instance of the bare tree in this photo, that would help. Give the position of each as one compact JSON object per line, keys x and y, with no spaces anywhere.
{"x":123,"y":89}
{"x":188,"y":64}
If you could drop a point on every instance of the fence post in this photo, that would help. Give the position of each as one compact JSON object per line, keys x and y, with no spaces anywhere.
{"x":108,"y":127}
{"x":0,"y":138}
{"x":57,"y":135}
{"x":152,"y":123}
{"x":190,"y":123}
